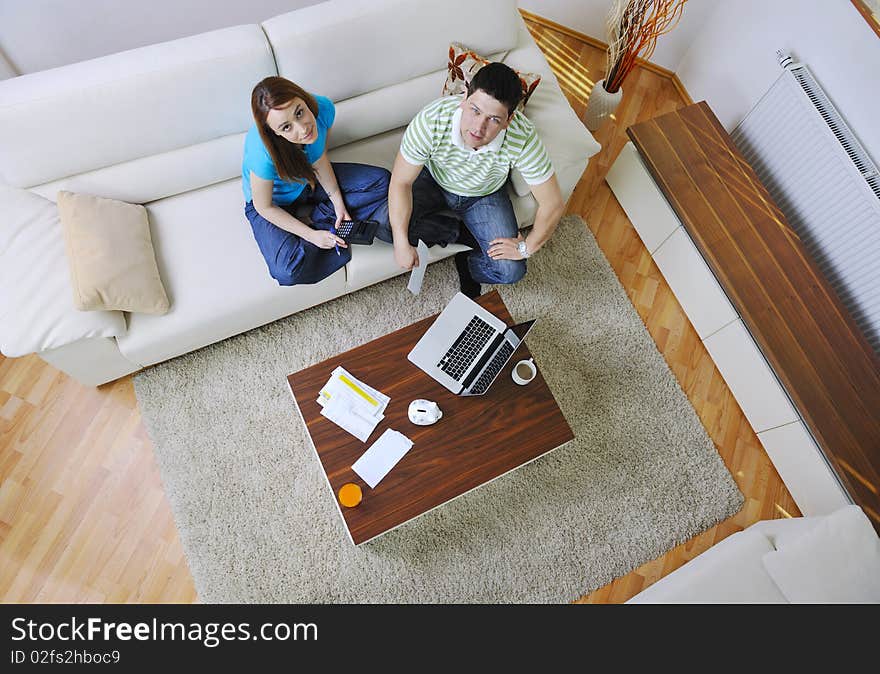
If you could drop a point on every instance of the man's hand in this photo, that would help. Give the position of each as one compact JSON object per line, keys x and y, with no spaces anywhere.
{"x":405,"y":255}
{"x":504,"y":249}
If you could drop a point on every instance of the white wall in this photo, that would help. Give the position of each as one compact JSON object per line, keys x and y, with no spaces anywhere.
{"x":732,"y":61}
{"x":588,"y":17}
{"x":725,"y":52}
{"x":40,"y":34}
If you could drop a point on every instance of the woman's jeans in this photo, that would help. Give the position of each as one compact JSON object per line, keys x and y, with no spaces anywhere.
{"x":486,"y":218}
{"x":292,"y":260}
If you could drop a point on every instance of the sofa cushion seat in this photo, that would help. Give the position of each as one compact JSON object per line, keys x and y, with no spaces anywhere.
{"x":374,"y":263}
{"x":215,"y":276}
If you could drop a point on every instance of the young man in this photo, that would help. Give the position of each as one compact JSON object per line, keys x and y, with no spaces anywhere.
{"x":456,"y":155}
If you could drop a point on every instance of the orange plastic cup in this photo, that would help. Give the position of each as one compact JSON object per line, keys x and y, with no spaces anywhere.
{"x":350,"y":495}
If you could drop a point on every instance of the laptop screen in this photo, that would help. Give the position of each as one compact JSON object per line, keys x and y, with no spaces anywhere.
{"x":520,"y":329}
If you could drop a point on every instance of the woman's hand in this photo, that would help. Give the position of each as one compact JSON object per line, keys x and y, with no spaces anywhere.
{"x":341,"y":214}
{"x":504,"y":249}
{"x":324,"y":239}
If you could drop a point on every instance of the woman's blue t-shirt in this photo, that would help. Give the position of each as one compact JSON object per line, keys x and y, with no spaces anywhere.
{"x":257,"y":159}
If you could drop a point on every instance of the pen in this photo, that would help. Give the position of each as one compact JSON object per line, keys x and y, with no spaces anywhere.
{"x":335,"y":245}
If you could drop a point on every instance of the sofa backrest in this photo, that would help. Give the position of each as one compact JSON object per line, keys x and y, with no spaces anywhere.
{"x":137,"y":125}
{"x":160,"y":120}
{"x":381,"y":61}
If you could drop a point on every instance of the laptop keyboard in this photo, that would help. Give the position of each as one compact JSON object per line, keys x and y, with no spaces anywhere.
{"x":464,"y":349}
{"x":492,"y":369}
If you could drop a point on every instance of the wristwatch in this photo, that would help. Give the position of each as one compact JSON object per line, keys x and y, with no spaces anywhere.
{"x":523,"y":250}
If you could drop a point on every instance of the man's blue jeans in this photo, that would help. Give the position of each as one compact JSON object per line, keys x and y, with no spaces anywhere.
{"x":486,"y":218}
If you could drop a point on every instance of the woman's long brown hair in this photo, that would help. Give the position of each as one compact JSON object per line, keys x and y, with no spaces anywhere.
{"x":289,"y":158}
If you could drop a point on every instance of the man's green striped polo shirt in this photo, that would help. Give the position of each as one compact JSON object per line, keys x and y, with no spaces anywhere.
{"x":430,"y":139}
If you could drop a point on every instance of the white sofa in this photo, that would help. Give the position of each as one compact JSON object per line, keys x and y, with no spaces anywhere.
{"x":831,"y":558}
{"x":164,"y":125}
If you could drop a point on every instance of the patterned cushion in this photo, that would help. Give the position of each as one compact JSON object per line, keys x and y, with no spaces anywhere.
{"x":463,"y":65}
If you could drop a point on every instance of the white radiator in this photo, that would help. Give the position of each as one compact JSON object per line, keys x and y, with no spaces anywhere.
{"x":824,"y":182}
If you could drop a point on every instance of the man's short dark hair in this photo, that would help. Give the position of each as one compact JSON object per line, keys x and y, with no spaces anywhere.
{"x":500,"y":82}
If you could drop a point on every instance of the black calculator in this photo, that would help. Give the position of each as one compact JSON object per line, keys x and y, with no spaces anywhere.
{"x":357,"y":231}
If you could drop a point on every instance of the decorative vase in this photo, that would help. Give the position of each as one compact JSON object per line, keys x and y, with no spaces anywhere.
{"x":600,"y":105}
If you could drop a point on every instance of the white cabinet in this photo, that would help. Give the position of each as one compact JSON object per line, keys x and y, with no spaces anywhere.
{"x":808,"y":477}
{"x":694,"y":284}
{"x":797,"y":458}
{"x":749,"y":378}
{"x":641,"y":199}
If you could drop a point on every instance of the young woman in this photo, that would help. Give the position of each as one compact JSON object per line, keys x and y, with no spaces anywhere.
{"x":285,"y":166}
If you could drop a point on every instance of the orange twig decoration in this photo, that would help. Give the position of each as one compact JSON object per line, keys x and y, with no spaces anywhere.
{"x":633,"y":29}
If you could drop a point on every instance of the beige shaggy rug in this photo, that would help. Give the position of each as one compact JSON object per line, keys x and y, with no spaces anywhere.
{"x":258,"y":524}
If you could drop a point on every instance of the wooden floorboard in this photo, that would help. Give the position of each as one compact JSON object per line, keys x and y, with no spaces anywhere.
{"x":83,"y":515}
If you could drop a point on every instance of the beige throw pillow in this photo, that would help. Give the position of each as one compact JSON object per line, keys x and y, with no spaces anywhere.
{"x":112,"y":263}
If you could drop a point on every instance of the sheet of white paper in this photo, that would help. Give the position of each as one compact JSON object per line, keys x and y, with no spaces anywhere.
{"x":418,"y":273}
{"x":349,"y":418}
{"x":382,"y":456}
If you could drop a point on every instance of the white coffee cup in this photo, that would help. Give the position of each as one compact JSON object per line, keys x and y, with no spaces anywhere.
{"x":524,"y":371}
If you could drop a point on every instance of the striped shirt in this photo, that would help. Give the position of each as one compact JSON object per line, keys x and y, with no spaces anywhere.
{"x":433,"y":138}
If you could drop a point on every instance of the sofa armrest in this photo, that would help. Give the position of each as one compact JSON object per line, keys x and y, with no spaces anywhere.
{"x":835,"y":561}
{"x":92,"y":361}
{"x":730,"y":572}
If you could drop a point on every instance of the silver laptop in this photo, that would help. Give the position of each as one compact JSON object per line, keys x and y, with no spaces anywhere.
{"x":467,"y":346}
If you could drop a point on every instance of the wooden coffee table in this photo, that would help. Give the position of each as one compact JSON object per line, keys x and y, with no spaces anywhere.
{"x":478,"y":439}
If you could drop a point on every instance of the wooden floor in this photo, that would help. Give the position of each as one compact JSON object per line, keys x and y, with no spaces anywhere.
{"x":84,"y":518}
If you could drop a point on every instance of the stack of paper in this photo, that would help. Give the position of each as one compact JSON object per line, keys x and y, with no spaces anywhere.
{"x":351,"y":404}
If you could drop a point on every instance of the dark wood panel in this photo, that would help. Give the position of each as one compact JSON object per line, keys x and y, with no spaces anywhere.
{"x":798,"y":321}
{"x":478,"y":438}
